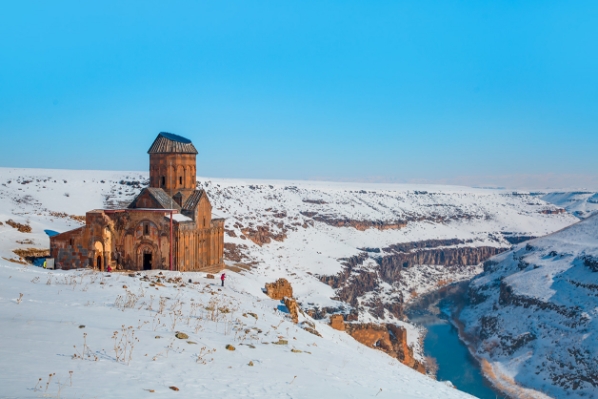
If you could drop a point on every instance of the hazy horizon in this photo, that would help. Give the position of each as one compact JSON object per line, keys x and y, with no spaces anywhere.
{"x":526,"y":183}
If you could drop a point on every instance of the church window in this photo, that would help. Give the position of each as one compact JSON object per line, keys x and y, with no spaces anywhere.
{"x":181,"y":180}
{"x":163,"y":181}
{"x":146,"y":229}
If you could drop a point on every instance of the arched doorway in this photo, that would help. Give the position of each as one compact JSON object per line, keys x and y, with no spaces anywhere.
{"x":147,"y":256}
{"x":147,"y":260}
{"x":99,"y":255}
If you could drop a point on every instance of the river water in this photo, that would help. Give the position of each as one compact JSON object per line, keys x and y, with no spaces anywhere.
{"x":455,"y":363}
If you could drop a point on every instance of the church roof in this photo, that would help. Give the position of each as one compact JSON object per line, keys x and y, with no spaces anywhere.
{"x":160,"y":196}
{"x":193,"y":200}
{"x":167,"y":143}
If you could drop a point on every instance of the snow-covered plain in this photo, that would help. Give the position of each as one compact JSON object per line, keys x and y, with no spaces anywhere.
{"x":534,"y":315}
{"x":301,"y":219}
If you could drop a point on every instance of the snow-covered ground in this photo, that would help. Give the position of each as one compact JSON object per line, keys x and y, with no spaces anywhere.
{"x":122,"y":331}
{"x":297,"y":230}
{"x":579,"y":203}
{"x":534,"y":313}
{"x":301,"y":217}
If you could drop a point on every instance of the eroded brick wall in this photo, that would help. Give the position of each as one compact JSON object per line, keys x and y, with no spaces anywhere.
{"x":388,"y":338}
{"x":279,"y":289}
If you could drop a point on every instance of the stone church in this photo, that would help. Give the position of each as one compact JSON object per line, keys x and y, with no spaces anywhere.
{"x":169,"y":225}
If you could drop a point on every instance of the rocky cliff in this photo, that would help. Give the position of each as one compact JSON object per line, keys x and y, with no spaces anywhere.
{"x":533,"y":313}
{"x":373,"y":281}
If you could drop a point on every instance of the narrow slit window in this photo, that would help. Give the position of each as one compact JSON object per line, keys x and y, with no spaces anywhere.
{"x":146,"y":229}
{"x":181,"y":180}
{"x":163,"y":181}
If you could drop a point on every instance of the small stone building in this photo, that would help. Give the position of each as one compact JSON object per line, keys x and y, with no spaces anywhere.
{"x":169,"y":225}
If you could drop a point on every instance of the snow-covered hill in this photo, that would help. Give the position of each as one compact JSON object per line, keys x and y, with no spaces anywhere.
{"x":579,"y":203}
{"x":306,"y":231}
{"x":358,"y":249}
{"x":534,"y":313}
{"x":80,"y":334}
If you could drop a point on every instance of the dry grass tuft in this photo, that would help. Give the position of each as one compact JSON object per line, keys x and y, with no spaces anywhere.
{"x":63,"y":215}
{"x":20,"y":262}
{"x":32,"y":253}
{"x":23,"y":228}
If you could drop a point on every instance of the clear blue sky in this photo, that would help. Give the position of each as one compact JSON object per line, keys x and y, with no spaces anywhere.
{"x":474,"y":92}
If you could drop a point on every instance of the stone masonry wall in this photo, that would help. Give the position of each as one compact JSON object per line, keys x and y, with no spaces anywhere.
{"x":279,"y":289}
{"x":388,"y":338}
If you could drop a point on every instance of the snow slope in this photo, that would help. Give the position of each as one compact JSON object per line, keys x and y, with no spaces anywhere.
{"x":66,"y":313}
{"x":534,"y":312}
{"x":303,"y":215}
{"x":297,"y":230}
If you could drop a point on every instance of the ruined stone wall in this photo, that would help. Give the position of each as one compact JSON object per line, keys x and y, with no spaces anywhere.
{"x":68,"y":251}
{"x":83,"y":247}
{"x":118,"y":239}
{"x":293,"y":308}
{"x":337,"y":322}
{"x":279,"y":289}
{"x":388,"y":338}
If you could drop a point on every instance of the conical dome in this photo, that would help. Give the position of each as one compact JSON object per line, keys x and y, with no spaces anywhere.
{"x":169,"y":143}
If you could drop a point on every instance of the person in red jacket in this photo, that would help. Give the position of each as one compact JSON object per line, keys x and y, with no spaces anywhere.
{"x":222,"y":277}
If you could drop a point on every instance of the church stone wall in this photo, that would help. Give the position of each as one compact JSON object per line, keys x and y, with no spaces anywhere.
{"x":173,"y":173}
{"x":125,"y":238}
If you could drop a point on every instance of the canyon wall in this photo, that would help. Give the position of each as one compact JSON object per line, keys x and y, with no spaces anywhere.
{"x":355,"y":281}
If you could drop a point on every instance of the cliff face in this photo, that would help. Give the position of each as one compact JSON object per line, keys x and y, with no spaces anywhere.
{"x":360,"y":225}
{"x":534,"y":312}
{"x":363,"y":225}
{"x":391,"y":265}
{"x":359,"y":283}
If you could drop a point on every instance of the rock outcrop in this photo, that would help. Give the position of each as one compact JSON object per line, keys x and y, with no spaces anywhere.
{"x":361,"y":225}
{"x":234,"y":252}
{"x":262,"y":235}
